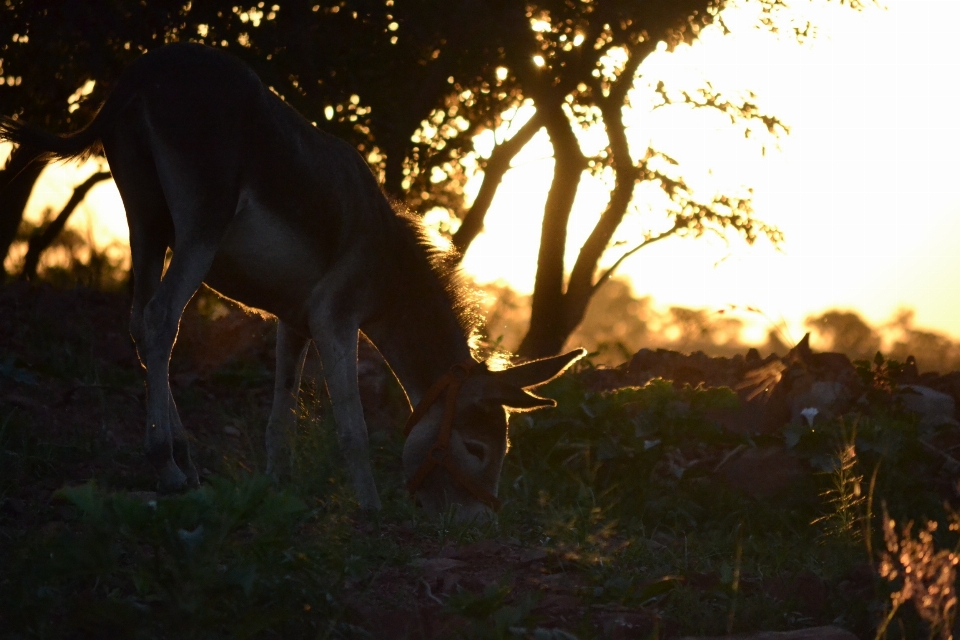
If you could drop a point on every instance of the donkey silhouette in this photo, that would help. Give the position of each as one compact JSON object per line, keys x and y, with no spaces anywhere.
{"x":271,"y":212}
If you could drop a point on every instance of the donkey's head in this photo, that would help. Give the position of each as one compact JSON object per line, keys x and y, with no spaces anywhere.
{"x":457,"y":435}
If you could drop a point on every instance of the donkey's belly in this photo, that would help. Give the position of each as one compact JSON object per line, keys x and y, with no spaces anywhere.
{"x":264,"y":263}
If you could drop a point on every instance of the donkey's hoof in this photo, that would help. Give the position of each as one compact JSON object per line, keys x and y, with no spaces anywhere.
{"x":193,"y":479}
{"x":172,"y":480}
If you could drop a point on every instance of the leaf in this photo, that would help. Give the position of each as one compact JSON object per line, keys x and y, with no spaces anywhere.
{"x":792,"y":434}
{"x":85,"y":497}
{"x":827,"y":463}
{"x":244,"y":577}
{"x":191,"y":539}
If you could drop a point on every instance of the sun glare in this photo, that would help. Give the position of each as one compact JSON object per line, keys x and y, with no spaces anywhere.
{"x":860,"y":187}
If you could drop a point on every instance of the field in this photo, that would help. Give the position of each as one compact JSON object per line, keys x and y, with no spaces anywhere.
{"x":631,"y":512}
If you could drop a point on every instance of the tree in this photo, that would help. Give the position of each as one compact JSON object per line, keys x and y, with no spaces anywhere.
{"x":411,"y":84}
{"x":57,"y":62}
{"x":372,"y":73}
{"x":578,"y":62}
{"x":847,"y":332}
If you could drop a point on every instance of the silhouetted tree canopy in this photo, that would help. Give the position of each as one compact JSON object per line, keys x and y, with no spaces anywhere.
{"x":410,"y":83}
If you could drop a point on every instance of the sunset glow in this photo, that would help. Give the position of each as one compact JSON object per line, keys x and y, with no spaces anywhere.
{"x":862,"y":187}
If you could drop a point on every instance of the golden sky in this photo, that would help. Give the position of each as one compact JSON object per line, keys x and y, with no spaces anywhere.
{"x":865,"y":187}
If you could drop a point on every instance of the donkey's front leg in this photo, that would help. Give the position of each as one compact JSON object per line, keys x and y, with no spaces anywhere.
{"x":338,"y":354}
{"x":291,"y":352}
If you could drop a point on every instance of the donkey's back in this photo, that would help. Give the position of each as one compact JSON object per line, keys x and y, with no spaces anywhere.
{"x":236,"y":166}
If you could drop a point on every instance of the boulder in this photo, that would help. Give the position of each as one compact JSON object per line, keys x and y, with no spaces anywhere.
{"x":935,"y":408}
{"x":812,"y":633}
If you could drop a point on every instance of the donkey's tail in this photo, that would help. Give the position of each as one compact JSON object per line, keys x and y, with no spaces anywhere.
{"x":80,"y":145}
{"x":44,"y":146}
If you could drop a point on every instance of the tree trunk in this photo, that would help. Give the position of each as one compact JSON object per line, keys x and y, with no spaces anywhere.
{"x":41,"y":240}
{"x":563,"y":311}
{"x":17,"y":180}
{"x":548,"y":330}
{"x":583,"y":282}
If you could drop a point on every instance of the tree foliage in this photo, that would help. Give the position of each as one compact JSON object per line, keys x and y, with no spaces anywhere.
{"x":410,"y":83}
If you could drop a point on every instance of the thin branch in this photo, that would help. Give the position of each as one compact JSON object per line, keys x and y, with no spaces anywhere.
{"x":581,"y":285}
{"x":609,"y":272}
{"x":40,"y":241}
{"x":496,"y":167}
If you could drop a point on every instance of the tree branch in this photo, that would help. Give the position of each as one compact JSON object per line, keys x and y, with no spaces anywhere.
{"x":40,"y":241}
{"x":17,"y":180}
{"x":647,"y":242}
{"x":496,"y":167}
{"x":581,"y":287}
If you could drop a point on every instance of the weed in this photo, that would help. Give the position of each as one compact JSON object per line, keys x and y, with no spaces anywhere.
{"x":927,"y":576}
{"x":844,"y":498}
{"x":214,"y":559}
{"x":492,"y":614}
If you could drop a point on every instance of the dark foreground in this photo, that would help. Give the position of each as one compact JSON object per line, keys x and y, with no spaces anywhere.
{"x":638,"y":508}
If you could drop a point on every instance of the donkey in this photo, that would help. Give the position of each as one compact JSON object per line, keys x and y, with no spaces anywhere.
{"x":273,"y":213}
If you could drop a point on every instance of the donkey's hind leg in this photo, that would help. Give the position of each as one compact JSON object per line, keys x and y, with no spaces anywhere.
{"x":166,"y":436}
{"x":151,"y":232}
{"x":291,"y":351}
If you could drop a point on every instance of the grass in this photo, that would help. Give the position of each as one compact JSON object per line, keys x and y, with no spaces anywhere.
{"x":613,"y":495}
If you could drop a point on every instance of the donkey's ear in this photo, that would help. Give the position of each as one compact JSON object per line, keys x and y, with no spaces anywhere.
{"x":533,"y":374}
{"x":518,"y":399}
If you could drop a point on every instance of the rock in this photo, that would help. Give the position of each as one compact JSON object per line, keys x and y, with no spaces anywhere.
{"x":935,"y":408}
{"x":824,"y":398}
{"x":773,"y":391}
{"x":805,"y":592}
{"x":528,"y":556}
{"x":437,"y":565}
{"x":557,"y":602}
{"x":813,"y":633}
{"x":627,"y":625}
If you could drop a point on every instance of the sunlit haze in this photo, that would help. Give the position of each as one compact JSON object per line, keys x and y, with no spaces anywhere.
{"x":863,"y":187}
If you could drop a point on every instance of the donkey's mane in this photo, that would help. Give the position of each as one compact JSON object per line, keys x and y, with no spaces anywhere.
{"x":444,"y":263}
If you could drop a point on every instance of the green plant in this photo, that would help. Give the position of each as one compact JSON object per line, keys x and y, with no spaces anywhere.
{"x":844,"y":498}
{"x":218,"y":560}
{"x":494,"y":615}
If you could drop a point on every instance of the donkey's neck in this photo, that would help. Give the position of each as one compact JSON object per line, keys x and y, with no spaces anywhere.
{"x":420,"y":343}
{"x":417,"y":328}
